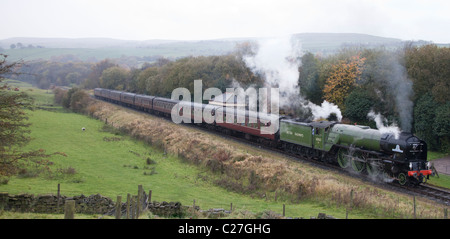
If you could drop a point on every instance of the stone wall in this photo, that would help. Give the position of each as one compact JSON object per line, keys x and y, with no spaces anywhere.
{"x":167,"y":209}
{"x":94,"y":204}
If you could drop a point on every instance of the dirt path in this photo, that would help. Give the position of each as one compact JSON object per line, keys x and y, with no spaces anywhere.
{"x":442,"y":165}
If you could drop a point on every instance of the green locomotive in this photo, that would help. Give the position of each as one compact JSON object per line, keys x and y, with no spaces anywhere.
{"x":402,"y":158}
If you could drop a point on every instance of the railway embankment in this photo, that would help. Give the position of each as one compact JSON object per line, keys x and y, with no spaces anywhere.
{"x":257,"y":173}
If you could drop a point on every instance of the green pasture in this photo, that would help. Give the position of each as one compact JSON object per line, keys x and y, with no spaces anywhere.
{"x":173,"y":50}
{"x":104,"y":161}
{"x":112,"y":164}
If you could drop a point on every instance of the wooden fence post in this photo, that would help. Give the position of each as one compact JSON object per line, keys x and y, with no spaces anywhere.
{"x":284,"y":210}
{"x":133,"y":207}
{"x":150,"y":196}
{"x":139,"y":200}
{"x":445,"y":213}
{"x":69,"y":209}
{"x":128,"y":205}
{"x":58,"y":196}
{"x":351,"y":199}
{"x":119,"y":207}
{"x":414,"y":201}
{"x":350,"y":207}
{"x":4,"y":198}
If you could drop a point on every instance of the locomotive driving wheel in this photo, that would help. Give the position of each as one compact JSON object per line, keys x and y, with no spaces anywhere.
{"x":358,"y":162}
{"x":342,"y":158}
{"x":372,"y":169}
{"x":402,"y":179}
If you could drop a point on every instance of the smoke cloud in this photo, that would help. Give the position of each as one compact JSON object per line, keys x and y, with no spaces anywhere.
{"x":381,"y":121}
{"x":324,"y":110}
{"x":278,"y":60}
{"x":400,"y":87}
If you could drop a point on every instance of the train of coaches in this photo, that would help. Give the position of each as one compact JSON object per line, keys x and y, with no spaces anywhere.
{"x":381,"y":155}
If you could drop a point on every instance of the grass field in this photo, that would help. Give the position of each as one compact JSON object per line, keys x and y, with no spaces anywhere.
{"x":102,"y":160}
{"x":113,"y":165}
{"x":173,"y":50}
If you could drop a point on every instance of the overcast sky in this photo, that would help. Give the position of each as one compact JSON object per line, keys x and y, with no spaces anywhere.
{"x":212,"y":19}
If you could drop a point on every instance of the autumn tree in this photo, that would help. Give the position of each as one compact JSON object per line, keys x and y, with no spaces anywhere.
{"x":114,"y":78}
{"x":93,"y":79}
{"x":342,"y":80}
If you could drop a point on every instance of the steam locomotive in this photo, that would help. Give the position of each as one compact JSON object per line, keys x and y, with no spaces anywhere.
{"x":402,"y":158}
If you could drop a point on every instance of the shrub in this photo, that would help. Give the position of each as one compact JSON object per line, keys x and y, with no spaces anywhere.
{"x":79,"y":101}
{"x":59,"y":95}
{"x":69,"y":170}
{"x":150,"y":161}
{"x":358,"y":105}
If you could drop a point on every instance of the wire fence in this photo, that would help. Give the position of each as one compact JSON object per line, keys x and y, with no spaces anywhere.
{"x":133,"y":206}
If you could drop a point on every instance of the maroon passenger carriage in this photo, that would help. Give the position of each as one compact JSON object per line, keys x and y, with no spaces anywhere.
{"x":127,"y":99}
{"x":231,"y":120}
{"x":255,"y":125}
{"x":163,"y":106}
{"x":144,"y":102}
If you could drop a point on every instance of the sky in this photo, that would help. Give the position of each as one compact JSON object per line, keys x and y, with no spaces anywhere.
{"x":212,"y":19}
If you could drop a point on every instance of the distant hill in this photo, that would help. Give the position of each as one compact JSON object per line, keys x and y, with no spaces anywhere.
{"x":67,"y":42}
{"x":96,"y":49}
{"x":91,"y":43}
{"x":329,"y":42}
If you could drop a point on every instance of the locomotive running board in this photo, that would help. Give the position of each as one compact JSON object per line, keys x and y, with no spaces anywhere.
{"x":362,"y":151}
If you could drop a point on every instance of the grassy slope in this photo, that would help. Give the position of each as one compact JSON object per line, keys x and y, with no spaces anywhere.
{"x":173,"y":50}
{"x":108,"y":168}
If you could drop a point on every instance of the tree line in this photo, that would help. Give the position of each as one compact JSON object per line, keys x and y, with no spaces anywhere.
{"x":408,"y":85}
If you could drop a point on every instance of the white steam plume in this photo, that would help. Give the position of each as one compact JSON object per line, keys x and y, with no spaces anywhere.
{"x":399,"y":86}
{"x":324,"y":110}
{"x":381,"y":121}
{"x":278,"y":60}
{"x":402,"y":89}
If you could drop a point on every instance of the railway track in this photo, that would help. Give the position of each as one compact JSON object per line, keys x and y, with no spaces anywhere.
{"x":436,"y":194}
